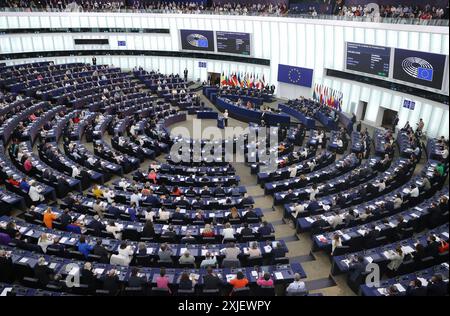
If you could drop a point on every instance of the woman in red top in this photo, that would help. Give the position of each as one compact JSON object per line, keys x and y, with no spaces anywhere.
{"x":152,"y":176}
{"x":176,"y":191}
{"x":27,"y":165}
{"x":13,"y":182}
{"x":207,"y":231}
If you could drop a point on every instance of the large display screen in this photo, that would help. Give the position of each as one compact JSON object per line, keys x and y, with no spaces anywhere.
{"x":233,"y":43}
{"x":426,"y":69}
{"x":369,"y":59}
{"x":197,"y":40}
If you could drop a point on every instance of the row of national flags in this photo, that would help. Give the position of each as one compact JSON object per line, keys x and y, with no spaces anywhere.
{"x":243,"y":80}
{"x":327,"y":96}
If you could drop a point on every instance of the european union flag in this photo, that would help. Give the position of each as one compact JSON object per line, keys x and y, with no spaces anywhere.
{"x":425,"y":73}
{"x":295,"y":75}
{"x":202,"y":43}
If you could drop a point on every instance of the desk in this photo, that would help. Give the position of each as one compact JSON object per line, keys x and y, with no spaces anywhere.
{"x":309,"y":122}
{"x":404,"y":280}
{"x":249,"y":115}
{"x":207,"y":115}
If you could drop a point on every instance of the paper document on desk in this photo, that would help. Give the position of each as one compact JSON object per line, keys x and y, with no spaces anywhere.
{"x":369,"y":259}
{"x":400,"y":287}
{"x":5,"y":291}
{"x":98,"y":271}
{"x":362,"y":232}
{"x":388,"y":254}
{"x":407,"y":249}
{"x":382,"y":291}
{"x":346,"y":237}
{"x":230,"y":277}
{"x":279,"y":276}
{"x":254,"y":274}
{"x":23,"y":260}
{"x":424,"y":282}
{"x":267,"y":248}
{"x":194,"y":276}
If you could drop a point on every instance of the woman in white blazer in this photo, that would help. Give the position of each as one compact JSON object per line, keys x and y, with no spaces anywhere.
{"x":396,"y":259}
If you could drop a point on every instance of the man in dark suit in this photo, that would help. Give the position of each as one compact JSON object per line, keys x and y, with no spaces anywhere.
{"x":250,"y":214}
{"x":211,"y":281}
{"x":415,"y":288}
{"x":432,"y":248}
{"x":42,"y":272}
{"x":96,"y":225}
{"x":111,"y":282}
{"x":100,"y":251}
{"x":190,"y":192}
{"x":170,"y":233}
{"x":197,"y":203}
{"x":290,"y":197}
{"x":6,"y":267}
{"x":114,"y":210}
{"x":371,"y":237}
{"x":152,"y":200}
{"x":435,"y":215}
{"x":219,"y":191}
{"x":401,"y":226}
{"x":65,"y":219}
{"x":163,"y":190}
{"x":246,"y":231}
{"x":265,"y":230}
{"x":18,"y":242}
{"x":278,"y":251}
{"x":178,"y":215}
{"x":437,"y":287}
{"x":182,"y":202}
{"x":185,"y":73}
{"x":205,"y":191}
{"x":355,"y":270}
{"x":246,"y":200}
{"x":313,"y":206}
{"x":135,"y":280}
{"x":87,"y":276}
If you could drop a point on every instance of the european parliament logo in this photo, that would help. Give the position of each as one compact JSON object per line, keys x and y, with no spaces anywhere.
{"x":425,"y":74}
{"x":197,"y":40}
{"x":418,"y":68}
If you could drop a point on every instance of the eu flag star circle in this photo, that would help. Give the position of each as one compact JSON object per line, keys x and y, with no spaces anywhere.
{"x":294,"y":75}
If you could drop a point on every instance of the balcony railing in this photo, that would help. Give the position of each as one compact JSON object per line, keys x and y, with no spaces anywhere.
{"x":392,"y":20}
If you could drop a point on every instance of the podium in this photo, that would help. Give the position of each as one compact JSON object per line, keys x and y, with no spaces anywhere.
{"x":221,"y":122}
